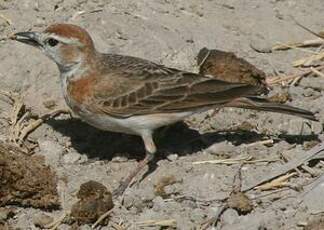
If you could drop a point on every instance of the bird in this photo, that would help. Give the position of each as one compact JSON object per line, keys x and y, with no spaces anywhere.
{"x":132,"y":95}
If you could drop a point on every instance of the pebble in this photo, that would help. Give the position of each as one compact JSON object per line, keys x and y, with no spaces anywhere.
{"x":52,"y":151}
{"x":71,"y":157}
{"x":230,"y":216}
{"x":128,"y":200}
{"x":221,"y":149}
{"x":41,"y":220}
{"x":314,"y":199}
{"x":317,"y":127}
{"x":158,"y":204}
{"x":197,"y":215}
{"x":296,"y":126}
{"x":6,"y":213}
{"x":173,"y":157}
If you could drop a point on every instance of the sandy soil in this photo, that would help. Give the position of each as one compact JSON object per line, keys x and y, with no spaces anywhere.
{"x":172,"y":33}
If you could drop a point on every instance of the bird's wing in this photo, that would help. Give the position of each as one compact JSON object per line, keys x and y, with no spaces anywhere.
{"x":132,"y":86}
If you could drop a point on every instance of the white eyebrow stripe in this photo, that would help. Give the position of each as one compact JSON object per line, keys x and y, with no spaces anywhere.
{"x":64,"y":40}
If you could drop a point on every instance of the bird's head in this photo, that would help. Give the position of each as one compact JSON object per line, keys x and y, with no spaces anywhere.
{"x":66,"y":44}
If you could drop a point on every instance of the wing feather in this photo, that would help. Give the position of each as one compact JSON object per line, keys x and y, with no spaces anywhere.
{"x":132,"y":86}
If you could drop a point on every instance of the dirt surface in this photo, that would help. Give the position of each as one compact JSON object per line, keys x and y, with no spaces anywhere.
{"x":172,"y":33}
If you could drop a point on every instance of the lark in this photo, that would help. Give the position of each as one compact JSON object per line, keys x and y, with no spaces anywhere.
{"x":135,"y":96}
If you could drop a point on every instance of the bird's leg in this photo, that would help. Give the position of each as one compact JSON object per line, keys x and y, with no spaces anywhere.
{"x":150,"y":150}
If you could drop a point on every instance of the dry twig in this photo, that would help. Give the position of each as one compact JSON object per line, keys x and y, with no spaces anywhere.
{"x":265,"y":142}
{"x":294,"y":45}
{"x":213,"y":221}
{"x":82,"y":12}
{"x":8,"y":21}
{"x":285,"y":78}
{"x":315,"y":71}
{"x":244,"y":160}
{"x":101,"y":218}
{"x":276,"y":183}
{"x":309,"y":60}
{"x":315,"y":153}
{"x":54,"y":225}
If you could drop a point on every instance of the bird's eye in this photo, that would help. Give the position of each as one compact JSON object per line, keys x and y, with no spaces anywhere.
{"x":52,"y":42}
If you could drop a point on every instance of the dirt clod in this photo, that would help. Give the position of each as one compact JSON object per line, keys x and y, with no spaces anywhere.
{"x":316,"y":223}
{"x":280,"y":97}
{"x":42,"y":220}
{"x":6,"y":213}
{"x":240,"y":202}
{"x":95,"y":200}
{"x":226,"y":66}
{"x":159,"y":188}
{"x":25,"y":180}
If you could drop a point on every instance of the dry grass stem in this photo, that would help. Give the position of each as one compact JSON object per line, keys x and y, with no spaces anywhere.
{"x":294,"y":45}
{"x":276,"y":183}
{"x":101,"y":218}
{"x":315,"y":71}
{"x":58,"y":222}
{"x":265,"y":142}
{"x":286,"y":78}
{"x":308,"y":60}
{"x":243,"y":160}
{"x":8,"y":21}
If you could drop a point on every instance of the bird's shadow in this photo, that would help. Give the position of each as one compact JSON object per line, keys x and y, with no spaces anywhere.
{"x":178,"y":138}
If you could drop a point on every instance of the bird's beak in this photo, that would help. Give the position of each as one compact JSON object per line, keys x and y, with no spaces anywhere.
{"x":30,"y":38}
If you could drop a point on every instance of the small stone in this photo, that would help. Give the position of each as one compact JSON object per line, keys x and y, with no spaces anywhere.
{"x":230,"y":216}
{"x":49,"y":104}
{"x":173,"y":157}
{"x":71,"y":157}
{"x":261,"y":46}
{"x":128,"y":200}
{"x":119,"y":159}
{"x":310,"y":144}
{"x":6,"y":213}
{"x":163,"y":182}
{"x":316,"y":223}
{"x":52,"y":151}
{"x":315,"y":84}
{"x":314,"y":199}
{"x":317,"y":127}
{"x":221,"y":149}
{"x":41,"y":220}
{"x":309,"y":92}
{"x":296,"y":126}
{"x":197,"y":215}
{"x":158,"y":204}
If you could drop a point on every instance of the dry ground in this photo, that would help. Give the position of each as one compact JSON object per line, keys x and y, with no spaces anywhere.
{"x":172,"y":33}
